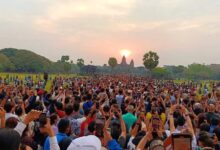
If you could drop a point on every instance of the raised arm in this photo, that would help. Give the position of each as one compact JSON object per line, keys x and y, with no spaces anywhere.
{"x":52,"y":138}
{"x":171,"y":119}
{"x":123,"y":127}
{"x":144,"y":140}
{"x":2,"y":117}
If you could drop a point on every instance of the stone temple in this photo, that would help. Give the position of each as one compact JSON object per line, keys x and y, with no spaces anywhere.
{"x":124,"y":63}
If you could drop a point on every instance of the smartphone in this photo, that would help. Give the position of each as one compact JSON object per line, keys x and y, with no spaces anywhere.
{"x":181,"y":141}
{"x":42,"y":119}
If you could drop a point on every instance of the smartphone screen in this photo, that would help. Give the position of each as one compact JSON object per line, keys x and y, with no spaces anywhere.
{"x":182,"y":142}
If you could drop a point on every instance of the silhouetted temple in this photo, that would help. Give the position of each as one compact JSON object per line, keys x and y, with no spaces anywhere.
{"x":124,"y":63}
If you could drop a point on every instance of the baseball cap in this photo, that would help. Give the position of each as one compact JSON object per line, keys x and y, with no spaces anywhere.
{"x":89,"y":142}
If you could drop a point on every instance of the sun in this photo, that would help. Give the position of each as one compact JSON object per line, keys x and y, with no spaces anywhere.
{"x":125,"y":52}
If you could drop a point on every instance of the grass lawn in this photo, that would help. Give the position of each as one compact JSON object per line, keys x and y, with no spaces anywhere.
{"x":36,"y":77}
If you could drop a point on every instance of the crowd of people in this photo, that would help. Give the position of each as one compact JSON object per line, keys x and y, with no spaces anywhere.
{"x":110,"y":112}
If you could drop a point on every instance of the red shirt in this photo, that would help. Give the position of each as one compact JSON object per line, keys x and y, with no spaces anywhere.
{"x":61,"y":113}
{"x":84,"y":125}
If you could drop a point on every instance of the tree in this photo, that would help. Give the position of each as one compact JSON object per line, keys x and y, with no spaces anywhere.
{"x":80,"y":62}
{"x":25,"y":61}
{"x":150,"y":60}
{"x":65,"y":58}
{"x":112,"y":62}
{"x":199,"y":71}
{"x":160,"y":73}
{"x":67,"y":67}
{"x":176,"y":71}
{"x":5,"y":63}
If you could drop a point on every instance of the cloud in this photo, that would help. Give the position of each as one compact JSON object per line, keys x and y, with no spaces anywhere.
{"x":78,"y":10}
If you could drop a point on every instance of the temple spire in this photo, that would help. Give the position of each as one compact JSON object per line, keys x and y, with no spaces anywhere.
{"x":132,"y":63}
{"x":123,"y":62}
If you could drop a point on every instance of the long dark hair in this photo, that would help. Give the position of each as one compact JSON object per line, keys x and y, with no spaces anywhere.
{"x":9,"y":139}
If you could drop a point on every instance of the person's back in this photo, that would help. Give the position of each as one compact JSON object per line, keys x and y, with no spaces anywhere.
{"x":63,"y":128}
{"x":88,"y":103}
{"x":119,"y":98}
{"x":129,"y":118}
{"x":76,"y":114}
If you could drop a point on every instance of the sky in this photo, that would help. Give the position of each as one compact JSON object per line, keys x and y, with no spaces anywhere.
{"x":180,"y":31}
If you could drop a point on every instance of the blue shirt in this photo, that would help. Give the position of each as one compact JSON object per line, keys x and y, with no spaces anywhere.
{"x":119,"y":99}
{"x":113,"y":145}
{"x":87,"y":105}
{"x":59,"y":136}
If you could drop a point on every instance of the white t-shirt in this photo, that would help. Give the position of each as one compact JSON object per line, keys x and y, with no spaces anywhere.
{"x":9,"y":115}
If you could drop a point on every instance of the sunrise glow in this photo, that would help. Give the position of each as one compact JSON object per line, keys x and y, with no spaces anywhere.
{"x":125,"y":52}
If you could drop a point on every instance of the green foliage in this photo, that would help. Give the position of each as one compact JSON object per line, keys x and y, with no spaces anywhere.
{"x":198,"y":71}
{"x":65,"y":58}
{"x":160,"y":73}
{"x":80,"y":62}
{"x":15,"y":60}
{"x":216,"y":71}
{"x":176,"y":71}
{"x":150,"y":60}
{"x":112,"y":62}
{"x":26,"y":61}
{"x":5,"y":64}
{"x":67,"y":67}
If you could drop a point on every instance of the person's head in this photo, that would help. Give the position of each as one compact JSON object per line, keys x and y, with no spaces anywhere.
{"x":59,"y":106}
{"x":89,"y":97}
{"x":115,"y":131}
{"x":215,"y":121}
{"x":217,"y":132}
{"x":8,"y":107}
{"x":11,"y":122}
{"x":18,"y":110}
{"x":64,"y":126}
{"x":67,"y":100}
{"x":85,"y":143}
{"x":204,"y":127}
{"x":211,"y":108}
{"x":69,"y":109}
{"x":120,"y":92}
{"x":92,"y":127}
{"x":9,"y":139}
{"x":156,"y":145}
{"x":86,"y":112}
{"x":130,"y":108}
{"x":53,"y":119}
{"x":106,"y":109}
{"x":201,"y":118}
{"x":76,"y":107}
{"x":198,"y":111}
{"x":204,"y":140}
{"x":180,"y":121}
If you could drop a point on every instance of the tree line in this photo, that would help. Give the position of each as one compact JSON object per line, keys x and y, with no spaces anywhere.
{"x":14,"y":60}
